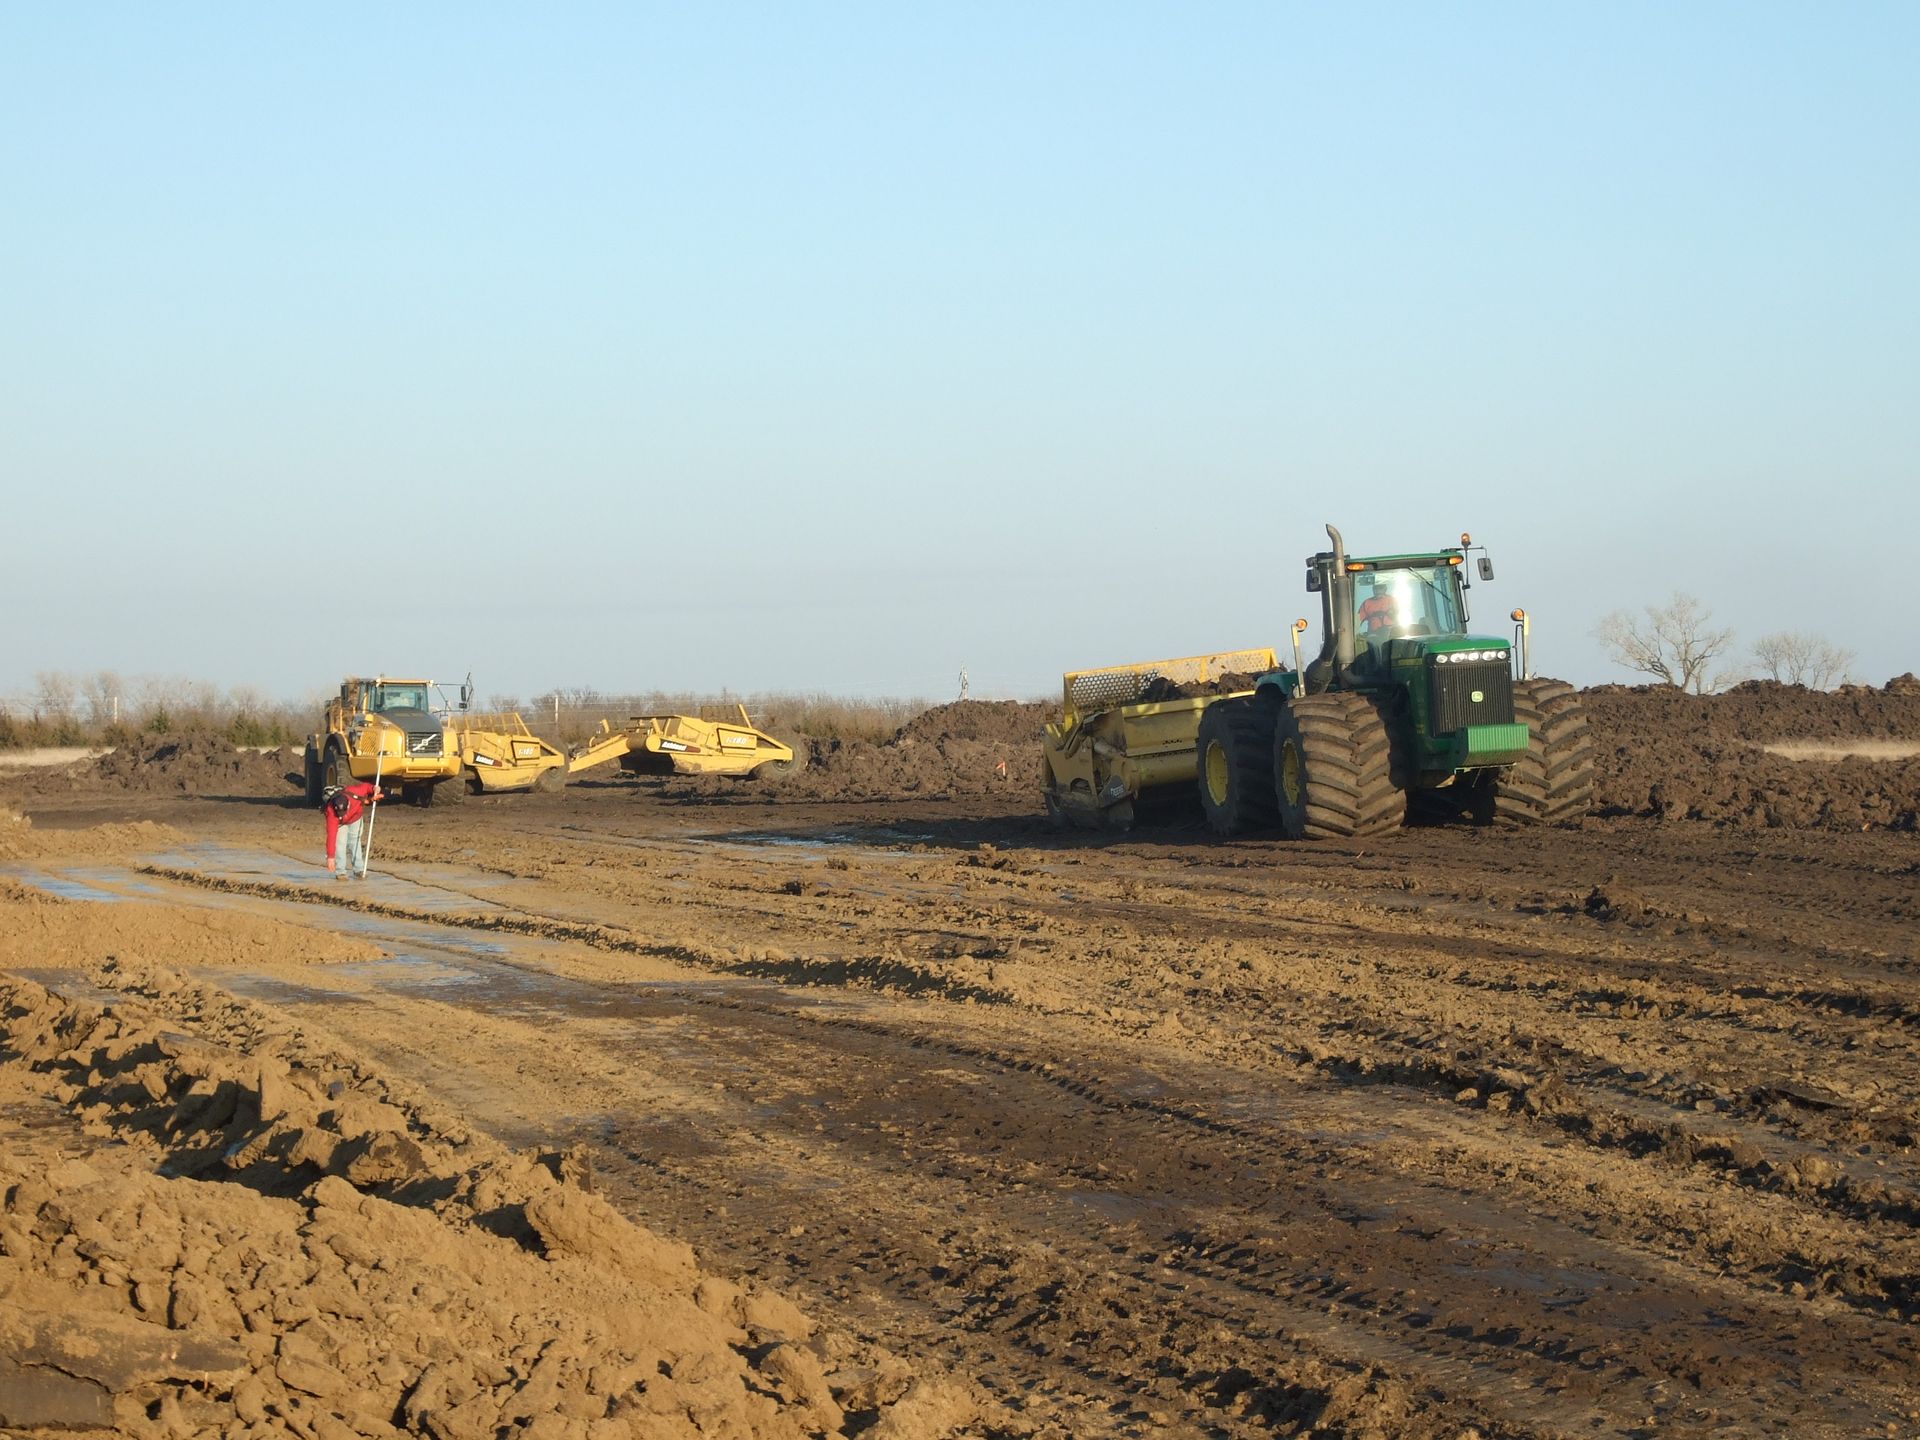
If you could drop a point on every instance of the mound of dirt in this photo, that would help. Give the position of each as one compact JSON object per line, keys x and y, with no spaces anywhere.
{"x":200,"y":764}
{"x":1009,"y":722}
{"x":966,"y":748}
{"x":903,"y":767}
{"x":1161,"y":688}
{"x":360,"y":1267}
{"x":1666,"y":754}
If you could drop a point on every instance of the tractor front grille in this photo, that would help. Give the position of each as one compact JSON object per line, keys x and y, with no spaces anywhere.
{"x":429,"y":742}
{"x":1465,"y":695}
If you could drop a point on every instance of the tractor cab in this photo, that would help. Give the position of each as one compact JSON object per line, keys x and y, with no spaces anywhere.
{"x":1397,"y":629}
{"x":1382,"y":613}
{"x":1397,"y":599}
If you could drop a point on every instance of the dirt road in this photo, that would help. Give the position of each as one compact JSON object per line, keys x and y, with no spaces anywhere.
{"x":1601,"y":1131}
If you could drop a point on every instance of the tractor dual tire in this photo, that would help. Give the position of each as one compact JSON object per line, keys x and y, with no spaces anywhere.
{"x":1234,"y":758}
{"x":1554,"y":783}
{"x":1333,"y":768}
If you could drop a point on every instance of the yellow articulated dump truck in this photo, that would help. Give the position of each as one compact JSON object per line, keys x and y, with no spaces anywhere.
{"x":426,"y":751}
{"x":1128,"y":730}
{"x":719,"y":740}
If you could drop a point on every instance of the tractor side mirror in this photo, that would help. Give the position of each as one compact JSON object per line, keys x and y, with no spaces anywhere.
{"x":1486,"y":568}
{"x":1316,"y":582}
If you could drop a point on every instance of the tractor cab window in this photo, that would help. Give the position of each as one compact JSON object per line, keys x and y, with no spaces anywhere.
{"x":1396,"y":604}
{"x":383,"y":698}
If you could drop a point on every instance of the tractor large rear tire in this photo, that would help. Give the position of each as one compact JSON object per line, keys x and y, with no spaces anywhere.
{"x":451,"y":791}
{"x":1333,"y":768}
{"x":1554,"y":783}
{"x":1235,"y":762}
{"x":337,"y":769}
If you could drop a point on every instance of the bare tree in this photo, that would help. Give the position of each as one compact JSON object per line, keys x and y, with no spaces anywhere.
{"x":55,"y":694}
{"x":1674,"y":643}
{"x":102,"y":693}
{"x":1795,"y":657}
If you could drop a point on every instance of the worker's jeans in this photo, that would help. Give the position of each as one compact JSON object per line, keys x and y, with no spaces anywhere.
{"x":346,"y":849}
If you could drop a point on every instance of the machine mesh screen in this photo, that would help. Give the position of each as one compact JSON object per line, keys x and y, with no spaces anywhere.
{"x":1090,"y":690}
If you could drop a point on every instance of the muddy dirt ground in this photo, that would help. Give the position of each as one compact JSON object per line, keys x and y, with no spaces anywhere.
{"x":899,"y":1114}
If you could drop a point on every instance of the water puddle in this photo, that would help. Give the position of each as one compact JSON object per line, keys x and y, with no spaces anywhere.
{"x":65,"y":884}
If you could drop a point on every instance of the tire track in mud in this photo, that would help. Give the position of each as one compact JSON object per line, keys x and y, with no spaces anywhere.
{"x":1592,"y":1101}
{"x":1371,"y":1304}
{"x":1455,"y":990}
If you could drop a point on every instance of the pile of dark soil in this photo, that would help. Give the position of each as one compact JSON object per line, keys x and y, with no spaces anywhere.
{"x":195,"y":764}
{"x":1662,"y":753}
{"x":966,"y":748}
{"x":1011,"y":722}
{"x":1161,"y":688}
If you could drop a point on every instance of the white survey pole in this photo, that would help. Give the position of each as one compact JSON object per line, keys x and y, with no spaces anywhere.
{"x":373,"y":809}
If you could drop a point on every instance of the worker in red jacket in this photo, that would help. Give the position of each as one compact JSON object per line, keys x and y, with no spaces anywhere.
{"x":345,"y":807}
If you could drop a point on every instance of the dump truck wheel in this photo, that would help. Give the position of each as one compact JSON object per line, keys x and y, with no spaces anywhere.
{"x":337,"y":770}
{"x":1333,"y":768}
{"x":314,"y":774}
{"x":1554,"y":783}
{"x":1234,"y":757}
{"x":450,"y":792}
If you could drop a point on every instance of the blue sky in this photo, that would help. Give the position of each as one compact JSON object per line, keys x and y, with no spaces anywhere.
{"x":841,"y":347}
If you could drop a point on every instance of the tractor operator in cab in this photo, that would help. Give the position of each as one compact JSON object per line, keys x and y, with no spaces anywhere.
{"x":345,"y":807}
{"x":1380,"y":611}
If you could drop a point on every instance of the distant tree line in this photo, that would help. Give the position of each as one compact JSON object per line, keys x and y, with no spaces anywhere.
{"x":105,"y":709}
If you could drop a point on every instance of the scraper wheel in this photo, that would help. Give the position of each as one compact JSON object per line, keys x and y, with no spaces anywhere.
{"x":1234,"y":755}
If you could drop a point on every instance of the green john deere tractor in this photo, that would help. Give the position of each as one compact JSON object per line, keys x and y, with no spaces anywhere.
{"x":1403,"y":707}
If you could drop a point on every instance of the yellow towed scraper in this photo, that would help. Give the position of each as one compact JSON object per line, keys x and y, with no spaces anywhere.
{"x":719,"y":740}
{"x":1129,"y":730}
{"x":500,"y":753}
